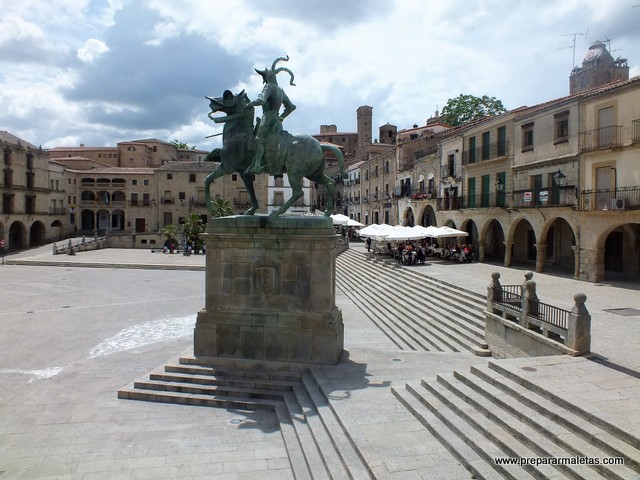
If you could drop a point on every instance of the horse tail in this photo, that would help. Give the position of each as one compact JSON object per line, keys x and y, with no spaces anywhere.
{"x":338,"y":153}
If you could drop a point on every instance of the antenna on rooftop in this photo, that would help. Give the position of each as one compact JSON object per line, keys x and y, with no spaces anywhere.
{"x":573,"y":47}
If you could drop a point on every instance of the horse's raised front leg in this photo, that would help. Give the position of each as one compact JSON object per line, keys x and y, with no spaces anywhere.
{"x":247,"y":178}
{"x":217,"y":173}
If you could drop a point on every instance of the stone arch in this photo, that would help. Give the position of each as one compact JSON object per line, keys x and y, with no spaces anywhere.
{"x":87,"y":196}
{"x":117,"y":220}
{"x":523,"y":242}
{"x":57,"y":230}
{"x":408,"y":218}
{"x":103,"y":219}
{"x":37,"y":234}
{"x":492,"y":246}
{"x":88,"y":220}
{"x":17,"y":236}
{"x":621,"y":257}
{"x":119,"y":196}
{"x":471,"y":228}
{"x":558,"y":244}
{"x":428,"y":217}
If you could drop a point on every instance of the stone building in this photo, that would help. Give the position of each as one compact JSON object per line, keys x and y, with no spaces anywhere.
{"x":33,"y":209}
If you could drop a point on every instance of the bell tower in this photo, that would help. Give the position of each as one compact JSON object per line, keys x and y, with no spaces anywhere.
{"x":598,"y":68}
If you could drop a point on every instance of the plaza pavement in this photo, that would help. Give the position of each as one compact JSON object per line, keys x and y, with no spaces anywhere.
{"x":71,"y":336}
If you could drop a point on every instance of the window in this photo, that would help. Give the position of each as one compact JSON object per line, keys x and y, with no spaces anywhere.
{"x":451,"y":165}
{"x":234,"y":177}
{"x":502,"y":141}
{"x":386,"y":167}
{"x":134,"y":182}
{"x":561,"y":127}
{"x":181,"y":196}
{"x":7,"y":156}
{"x":169,"y":176}
{"x":134,"y":199}
{"x":472,"y":150}
{"x":486,"y":146}
{"x":527,"y":137}
{"x":192,"y":177}
{"x":146,"y":182}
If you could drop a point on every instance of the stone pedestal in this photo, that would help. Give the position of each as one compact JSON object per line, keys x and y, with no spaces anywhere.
{"x":270,"y":291}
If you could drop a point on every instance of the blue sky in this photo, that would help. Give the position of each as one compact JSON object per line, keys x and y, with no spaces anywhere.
{"x":98,"y":72}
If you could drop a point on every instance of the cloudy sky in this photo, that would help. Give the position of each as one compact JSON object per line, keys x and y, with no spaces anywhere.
{"x":98,"y":72}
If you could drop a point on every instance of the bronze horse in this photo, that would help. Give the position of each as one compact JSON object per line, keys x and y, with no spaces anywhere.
{"x":299,"y":156}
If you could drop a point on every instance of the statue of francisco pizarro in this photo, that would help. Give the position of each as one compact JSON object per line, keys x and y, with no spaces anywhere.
{"x":267,"y":148}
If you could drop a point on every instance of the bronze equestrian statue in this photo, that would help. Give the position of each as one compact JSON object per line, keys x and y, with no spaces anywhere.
{"x":266,"y":147}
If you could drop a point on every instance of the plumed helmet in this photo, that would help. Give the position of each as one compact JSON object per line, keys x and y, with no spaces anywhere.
{"x":269,"y":74}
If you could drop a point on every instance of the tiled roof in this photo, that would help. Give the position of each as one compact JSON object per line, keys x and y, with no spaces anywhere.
{"x":12,"y":139}
{"x":586,"y":94}
{"x":79,"y":163}
{"x":116,"y":171}
{"x":185,"y":166}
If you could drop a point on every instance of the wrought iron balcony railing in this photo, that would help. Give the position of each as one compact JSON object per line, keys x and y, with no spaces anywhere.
{"x":624,"y":198}
{"x":601,"y":139}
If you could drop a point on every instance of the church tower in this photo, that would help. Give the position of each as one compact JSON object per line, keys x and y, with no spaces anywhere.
{"x":365,"y":117}
{"x":598,"y":68}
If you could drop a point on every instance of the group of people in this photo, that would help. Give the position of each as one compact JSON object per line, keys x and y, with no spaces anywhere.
{"x":459,"y":253}
{"x":412,"y":253}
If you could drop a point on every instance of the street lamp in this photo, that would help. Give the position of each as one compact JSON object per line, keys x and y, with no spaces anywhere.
{"x":560,"y":179}
{"x":499,"y":185}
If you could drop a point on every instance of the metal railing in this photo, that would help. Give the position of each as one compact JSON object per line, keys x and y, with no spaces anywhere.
{"x":485,"y":152}
{"x":601,"y":139}
{"x":624,"y":198}
{"x":485,"y":200}
{"x":545,"y":197}
{"x":509,"y":300}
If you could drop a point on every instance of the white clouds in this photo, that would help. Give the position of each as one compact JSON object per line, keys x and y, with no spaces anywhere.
{"x":104,"y":71}
{"x":92,"y":49}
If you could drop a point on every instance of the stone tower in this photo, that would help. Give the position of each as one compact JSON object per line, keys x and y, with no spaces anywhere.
{"x":388,"y":133}
{"x":365,"y":117}
{"x":598,"y":68}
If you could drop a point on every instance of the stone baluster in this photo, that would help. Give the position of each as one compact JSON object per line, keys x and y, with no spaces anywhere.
{"x":579,"y":332}
{"x":494,"y":292}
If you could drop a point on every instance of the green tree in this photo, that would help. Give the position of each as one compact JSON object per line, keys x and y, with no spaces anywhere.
{"x":181,"y":145}
{"x":193,"y":227}
{"x":170,"y":233}
{"x":214,"y":155}
{"x":221,"y":208}
{"x":465,"y":108}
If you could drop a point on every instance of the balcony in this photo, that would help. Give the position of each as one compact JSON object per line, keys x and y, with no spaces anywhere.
{"x":167,"y":200}
{"x":57,"y":211}
{"x":604,"y":138}
{"x":243,"y":203}
{"x":545,"y":197}
{"x":616,"y":199}
{"x":484,"y":200}
{"x":449,"y":203}
{"x":485,"y":152}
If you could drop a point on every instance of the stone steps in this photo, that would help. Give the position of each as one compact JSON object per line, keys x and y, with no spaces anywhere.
{"x":492,"y":412}
{"x":319,"y":447}
{"x":435,"y":316}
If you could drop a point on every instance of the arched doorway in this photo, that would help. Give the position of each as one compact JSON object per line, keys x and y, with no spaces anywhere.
{"x":524,"y":243}
{"x":36,"y":234}
{"x":104,"y":220}
{"x":621,"y":255}
{"x":117,"y":220}
{"x":409,"y":219}
{"x":560,"y":242}
{"x":57,"y":230}
{"x":494,"y":243}
{"x":88,"y":221}
{"x":428,"y":217}
{"x":17,"y":236}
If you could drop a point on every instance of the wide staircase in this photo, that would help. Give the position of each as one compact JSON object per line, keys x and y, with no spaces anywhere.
{"x":415,"y":311}
{"x":504,"y":410}
{"x":318,"y":443}
{"x":544,"y":409}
